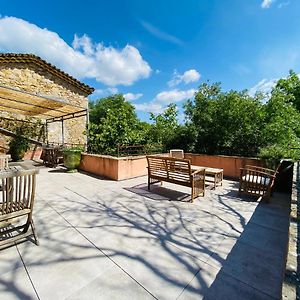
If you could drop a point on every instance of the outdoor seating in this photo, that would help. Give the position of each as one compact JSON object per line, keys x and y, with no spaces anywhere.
{"x":51,"y":155}
{"x":212,"y":175}
{"x":178,"y":171}
{"x":177,"y":153}
{"x":4,"y":160}
{"x":257,"y":181}
{"x":16,"y":204}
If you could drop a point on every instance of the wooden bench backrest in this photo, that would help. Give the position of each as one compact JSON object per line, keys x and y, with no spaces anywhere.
{"x":18,"y":192}
{"x":173,"y":169}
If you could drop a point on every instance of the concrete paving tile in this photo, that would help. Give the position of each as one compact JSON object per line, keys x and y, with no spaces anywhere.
{"x":269,"y":220}
{"x":48,"y":221}
{"x":222,"y":287}
{"x":16,"y":285}
{"x":162,"y":244}
{"x":265,"y":239}
{"x":258,"y":269}
{"x":9,"y":260}
{"x":160,"y":267}
{"x":112,"y":284}
{"x":63,"y":262}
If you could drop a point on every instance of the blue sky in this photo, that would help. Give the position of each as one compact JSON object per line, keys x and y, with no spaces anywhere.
{"x":157,"y":52}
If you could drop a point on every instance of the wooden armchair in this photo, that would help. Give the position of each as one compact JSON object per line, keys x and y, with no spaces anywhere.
{"x":16,"y":204}
{"x":257,"y":181}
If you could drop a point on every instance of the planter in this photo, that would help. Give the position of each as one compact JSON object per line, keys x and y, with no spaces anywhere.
{"x":116,"y":168}
{"x":72,"y":159}
{"x":17,"y":155}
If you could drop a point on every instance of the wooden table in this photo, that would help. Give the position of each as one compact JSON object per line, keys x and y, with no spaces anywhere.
{"x":217,"y":174}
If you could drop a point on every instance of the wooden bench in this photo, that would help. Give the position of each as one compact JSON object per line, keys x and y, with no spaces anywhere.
{"x":178,"y":171}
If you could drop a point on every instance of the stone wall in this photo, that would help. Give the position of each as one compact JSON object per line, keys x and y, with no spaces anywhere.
{"x":34,"y":79}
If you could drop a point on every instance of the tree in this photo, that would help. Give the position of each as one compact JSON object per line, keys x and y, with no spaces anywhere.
{"x":281,"y":131}
{"x":164,"y":126}
{"x":290,"y":86}
{"x":225,"y":123}
{"x":113,"y":122}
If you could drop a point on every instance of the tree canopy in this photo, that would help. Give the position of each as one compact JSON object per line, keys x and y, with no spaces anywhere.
{"x":216,"y":122}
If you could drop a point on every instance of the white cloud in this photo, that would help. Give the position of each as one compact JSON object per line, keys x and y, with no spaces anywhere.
{"x":174,"y":95}
{"x":84,"y":59}
{"x":132,"y":97}
{"x":283,"y":4}
{"x":153,"y":107}
{"x":187,"y":77}
{"x":162,"y":99}
{"x":267,"y":3}
{"x":161,"y":34}
{"x":100,"y":93}
{"x":265,"y":86}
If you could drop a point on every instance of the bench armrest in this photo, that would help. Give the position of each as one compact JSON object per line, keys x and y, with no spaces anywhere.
{"x":198,"y":171}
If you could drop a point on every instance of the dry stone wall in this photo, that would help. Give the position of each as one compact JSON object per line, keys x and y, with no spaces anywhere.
{"x":34,"y":79}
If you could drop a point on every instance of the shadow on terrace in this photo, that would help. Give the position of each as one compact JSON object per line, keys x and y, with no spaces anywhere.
{"x":100,"y":237}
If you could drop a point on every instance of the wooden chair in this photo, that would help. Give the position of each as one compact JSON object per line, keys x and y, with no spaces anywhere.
{"x":51,"y":155}
{"x":177,"y":153}
{"x":257,"y":181}
{"x":16,"y":204}
{"x":4,"y":160}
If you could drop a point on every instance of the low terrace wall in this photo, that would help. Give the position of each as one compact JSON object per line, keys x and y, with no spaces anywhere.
{"x":120,"y":168}
{"x":116,"y":168}
{"x":230,"y":164}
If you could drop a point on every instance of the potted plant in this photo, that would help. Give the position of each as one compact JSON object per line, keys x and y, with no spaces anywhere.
{"x":72,"y":157}
{"x":18,"y":145}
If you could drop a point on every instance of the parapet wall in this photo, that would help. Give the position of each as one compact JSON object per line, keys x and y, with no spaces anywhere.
{"x":116,"y":168}
{"x":119,"y":168}
{"x":230,"y":164}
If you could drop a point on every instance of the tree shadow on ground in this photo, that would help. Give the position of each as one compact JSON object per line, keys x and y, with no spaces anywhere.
{"x":164,"y":246}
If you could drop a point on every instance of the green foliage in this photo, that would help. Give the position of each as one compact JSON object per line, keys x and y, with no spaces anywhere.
{"x":225,"y":123}
{"x":24,"y":130}
{"x":31,"y":128}
{"x":19,"y":144}
{"x":113,"y":122}
{"x":217,"y":122}
{"x":164,"y":127}
{"x":290,"y":86}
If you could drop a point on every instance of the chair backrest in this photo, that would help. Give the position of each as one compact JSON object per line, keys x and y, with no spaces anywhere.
{"x":4,"y":160}
{"x":18,"y":192}
{"x":177,"y":153}
{"x":177,"y":169}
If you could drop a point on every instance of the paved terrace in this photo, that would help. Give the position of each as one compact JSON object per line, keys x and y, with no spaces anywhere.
{"x":101,"y":239}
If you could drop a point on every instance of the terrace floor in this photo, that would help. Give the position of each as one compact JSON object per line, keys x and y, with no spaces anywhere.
{"x":102,"y":239}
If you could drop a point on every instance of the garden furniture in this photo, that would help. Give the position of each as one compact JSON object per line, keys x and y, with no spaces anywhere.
{"x":177,"y":153}
{"x":257,"y":181}
{"x":178,"y":171}
{"x":16,"y":204}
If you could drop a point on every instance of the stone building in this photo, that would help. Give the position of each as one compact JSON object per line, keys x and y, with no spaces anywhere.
{"x":31,"y":87}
